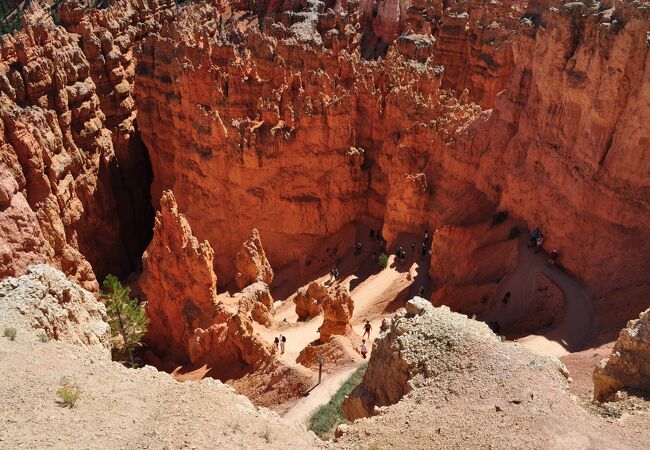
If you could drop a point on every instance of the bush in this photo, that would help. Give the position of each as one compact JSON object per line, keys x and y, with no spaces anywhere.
{"x":382,"y":261}
{"x":514,"y":232}
{"x":68,"y":395}
{"x":499,"y":218}
{"x":330,"y":415}
{"x":42,"y":336}
{"x":127,"y":319}
{"x":10,"y":333}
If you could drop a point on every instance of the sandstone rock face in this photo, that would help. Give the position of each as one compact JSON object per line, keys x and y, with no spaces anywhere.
{"x":337,"y":308}
{"x":47,"y":300}
{"x":564,"y":132}
{"x":629,"y":364}
{"x":281,"y":132}
{"x":251,"y":262}
{"x":74,"y":184}
{"x":178,"y":283}
{"x":308,"y":300}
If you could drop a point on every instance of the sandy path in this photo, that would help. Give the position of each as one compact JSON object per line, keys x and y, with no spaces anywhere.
{"x":320,"y":395}
{"x":573,"y":332}
{"x":374,"y":297}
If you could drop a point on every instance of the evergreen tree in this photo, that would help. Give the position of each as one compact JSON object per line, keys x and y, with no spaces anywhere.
{"x":127,"y":318}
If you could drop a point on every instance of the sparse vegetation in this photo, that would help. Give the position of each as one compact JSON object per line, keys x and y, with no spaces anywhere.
{"x":10,"y":333}
{"x":127,"y":319}
{"x":373,"y":447}
{"x":42,"y":336}
{"x":267,"y":435}
{"x":514,"y":232}
{"x":330,"y":415}
{"x":382,"y":261}
{"x":499,"y":218}
{"x":68,"y":395}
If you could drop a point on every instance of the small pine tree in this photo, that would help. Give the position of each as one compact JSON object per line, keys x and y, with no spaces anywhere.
{"x":382,"y":261}
{"x":127,"y":318}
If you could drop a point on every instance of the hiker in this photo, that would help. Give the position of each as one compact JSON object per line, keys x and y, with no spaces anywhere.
{"x":413,"y":247}
{"x":366,"y":329}
{"x":379,"y":236}
{"x":357,"y":249}
{"x":399,"y":253}
{"x":553,"y":258}
{"x":363,"y":349}
{"x":505,"y":299}
{"x":372,"y":233}
{"x":538,"y":242}
{"x":421,"y":291}
{"x":276,"y":343}
{"x":283,"y":341}
{"x":426,"y":236}
{"x":333,"y":274}
{"x":533,"y":237}
{"x":403,"y":255}
{"x":424,"y":250}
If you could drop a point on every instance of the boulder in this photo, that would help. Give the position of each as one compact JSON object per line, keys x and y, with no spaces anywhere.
{"x":629,"y":364}
{"x":308,"y":300}
{"x":337,"y":308}
{"x":256,"y":300}
{"x":251,"y":262}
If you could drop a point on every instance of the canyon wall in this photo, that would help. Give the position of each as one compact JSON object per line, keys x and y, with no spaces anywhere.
{"x":287,"y":123}
{"x":565,"y":146}
{"x":74,"y":174}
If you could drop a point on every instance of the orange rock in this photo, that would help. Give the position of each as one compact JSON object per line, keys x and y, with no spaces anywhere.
{"x":337,"y":307}
{"x":256,"y":300}
{"x":178,"y":283}
{"x":251,"y":263}
{"x":308,"y":300}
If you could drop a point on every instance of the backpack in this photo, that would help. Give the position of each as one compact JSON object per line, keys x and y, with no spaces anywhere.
{"x":284,"y":339}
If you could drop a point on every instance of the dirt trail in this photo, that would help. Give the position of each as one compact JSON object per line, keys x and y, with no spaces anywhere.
{"x":574,"y":330}
{"x":376,"y":294}
{"x":320,"y":395}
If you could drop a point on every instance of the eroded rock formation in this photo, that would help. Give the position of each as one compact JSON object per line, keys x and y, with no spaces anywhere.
{"x":251,"y":262}
{"x":337,"y":307}
{"x":178,"y":283}
{"x":74,"y":183}
{"x":45,"y":299}
{"x":308,"y":300}
{"x":257,"y":301}
{"x":629,"y":364}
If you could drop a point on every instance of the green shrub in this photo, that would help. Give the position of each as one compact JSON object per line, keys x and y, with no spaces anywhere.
{"x":127,"y":319}
{"x":499,"y":218}
{"x":382,"y":261}
{"x":10,"y":333}
{"x":514,"y":232}
{"x":330,"y":415}
{"x":42,"y":336}
{"x":68,"y":395}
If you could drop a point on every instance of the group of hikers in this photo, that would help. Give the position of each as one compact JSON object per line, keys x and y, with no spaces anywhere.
{"x":279,"y":342}
{"x":536,"y":240}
